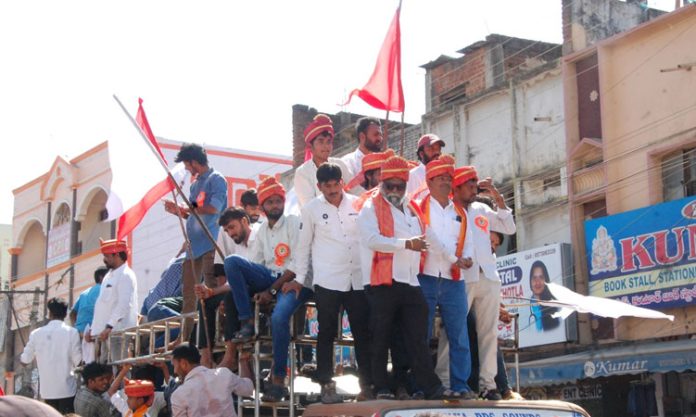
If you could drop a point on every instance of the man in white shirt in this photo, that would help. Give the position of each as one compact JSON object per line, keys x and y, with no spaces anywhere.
{"x":429,"y":148}
{"x":482,"y":280}
{"x":329,"y":233}
{"x":370,"y":140}
{"x":204,"y":392}
{"x":235,"y":239}
{"x":441,"y":280}
{"x":392,"y":239}
{"x":56,"y":348}
{"x":318,"y":136}
{"x":117,"y":305}
{"x":263,"y":274}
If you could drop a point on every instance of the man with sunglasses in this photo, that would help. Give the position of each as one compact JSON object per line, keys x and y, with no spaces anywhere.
{"x":392,"y":241}
{"x":318,"y":136}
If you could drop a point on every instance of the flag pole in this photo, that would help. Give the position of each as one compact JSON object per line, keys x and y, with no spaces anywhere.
{"x":386,"y":131}
{"x":403,"y":134}
{"x":171,"y":178}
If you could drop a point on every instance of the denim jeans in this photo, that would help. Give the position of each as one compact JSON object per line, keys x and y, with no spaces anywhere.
{"x":286,"y":305}
{"x":246,"y":278}
{"x":450,"y":295}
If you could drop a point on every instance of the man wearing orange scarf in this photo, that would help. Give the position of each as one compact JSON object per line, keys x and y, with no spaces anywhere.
{"x":392,"y":234}
{"x":440,"y":276}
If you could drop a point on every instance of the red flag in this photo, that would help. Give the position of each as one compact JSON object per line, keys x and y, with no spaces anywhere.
{"x":130,"y":218}
{"x":383,"y":90}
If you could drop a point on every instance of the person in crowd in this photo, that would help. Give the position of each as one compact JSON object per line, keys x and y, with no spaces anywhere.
{"x":208,"y":197}
{"x":429,"y":148}
{"x":116,"y":306}
{"x":169,"y":284}
{"x":392,"y":240}
{"x":482,"y":280}
{"x":330,"y":239}
{"x":370,"y":140}
{"x":135,"y":399}
{"x":83,"y":311}
{"x":441,"y":277}
{"x":19,"y":406}
{"x":90,"y":400}
{"x":369,"y":177}
{"x":56,"y":348}
{"x":318,"y":136}
{"x":542,"y":316}
{"x":204,"y":391}
{"x":250,"y":204}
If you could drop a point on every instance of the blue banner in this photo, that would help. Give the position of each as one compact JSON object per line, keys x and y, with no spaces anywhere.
{"x":645,"y":257}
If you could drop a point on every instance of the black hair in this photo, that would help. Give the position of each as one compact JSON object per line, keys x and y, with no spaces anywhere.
{"x":250,"y":198}
{"x":187,"y":352}
{"x":123,"y":256}
{"x":500,"y":236}
{"x":146,"y":372}
{"x":192,"y":152}
{"x":329,"y":171}
{"x":94,"y":370}
{"x":363,"y":123}
{"x":232,"y":213}
{"x":100,"y":273}
{"x":58,"y":308}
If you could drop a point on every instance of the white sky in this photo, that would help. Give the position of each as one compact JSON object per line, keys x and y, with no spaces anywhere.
{"x":216,"y":72}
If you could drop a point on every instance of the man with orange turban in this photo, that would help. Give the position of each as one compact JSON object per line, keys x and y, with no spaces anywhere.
{"x":482,"y":279}
{"x":440,"y":277}
{"x":270,"y":265}
{"x":318,"y":136}
{"x":392,"y":243}
{"x":116,"y":307}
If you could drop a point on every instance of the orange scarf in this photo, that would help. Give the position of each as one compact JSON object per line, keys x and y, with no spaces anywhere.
{"x":425,"y":209}
{"x":382,"y":262}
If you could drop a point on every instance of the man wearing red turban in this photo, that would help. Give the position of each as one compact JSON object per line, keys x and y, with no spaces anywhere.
{"x":318,"y":136}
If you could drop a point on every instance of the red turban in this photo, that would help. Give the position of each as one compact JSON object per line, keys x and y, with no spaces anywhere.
{"x":440,"y":166}
{"x":320,"y":123}
{"x":464,"y":174}
{"x":270,"y":187}
{"x":369,"y":162}
{"x":113,"y":246}
{"x":139,"y":388}
{"x":395,"y":167}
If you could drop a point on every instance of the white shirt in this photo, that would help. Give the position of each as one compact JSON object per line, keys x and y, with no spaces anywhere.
{"x":56,"y":347}
{"x":353,"y":162}
{"x":117,"y":302}
{"x":406,"y":262}
{"x":331,"y":235}
{"x":229,"y":247}
{"x":285,"y":231}
{"x":305,"y":180}
{"x":500,"y":221}
{"x":208,"y":392}
{"x":443,"y":234}
{"x":417,"y":188}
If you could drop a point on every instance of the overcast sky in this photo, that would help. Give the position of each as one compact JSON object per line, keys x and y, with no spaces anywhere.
{"x":216,"y":72}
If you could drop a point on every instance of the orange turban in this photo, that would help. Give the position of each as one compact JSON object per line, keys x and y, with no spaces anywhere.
{"x":320,"y":123}
{"x":395,"y":167}
{"x":270,"y":187}
{"x":369,"y":162}
{"x":464,"y":174}
{"x":113,"y":246}
{"x":440,"y":166}
{"x":139,"y":388}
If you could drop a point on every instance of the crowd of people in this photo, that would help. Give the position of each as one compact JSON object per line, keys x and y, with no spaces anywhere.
{"x":388,"y":240}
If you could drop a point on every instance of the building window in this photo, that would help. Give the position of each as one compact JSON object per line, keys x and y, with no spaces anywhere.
{"x":679,"y":174}
{"x":589,"y":110}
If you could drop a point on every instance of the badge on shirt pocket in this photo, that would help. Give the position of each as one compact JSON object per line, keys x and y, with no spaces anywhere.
{"x":200,"y":200}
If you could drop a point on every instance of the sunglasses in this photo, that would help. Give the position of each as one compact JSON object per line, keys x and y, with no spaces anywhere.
{"x":391,"y":186}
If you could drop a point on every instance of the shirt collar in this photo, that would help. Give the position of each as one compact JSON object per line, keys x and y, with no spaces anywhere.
{"x":279,"y":224}
{"x":195,"y":371}
{"x":434,"y":202}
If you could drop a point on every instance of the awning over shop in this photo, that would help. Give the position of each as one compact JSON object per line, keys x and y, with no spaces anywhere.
{"x":637,"y":358}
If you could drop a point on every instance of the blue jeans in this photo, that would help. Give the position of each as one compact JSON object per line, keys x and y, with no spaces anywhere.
{"x":246,"y":278}
{"x":451,"y":297}
{"x":158,"y":312}
{"x":286,"y":305}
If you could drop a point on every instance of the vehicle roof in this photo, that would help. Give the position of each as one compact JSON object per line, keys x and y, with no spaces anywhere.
{"x":370,"y":408}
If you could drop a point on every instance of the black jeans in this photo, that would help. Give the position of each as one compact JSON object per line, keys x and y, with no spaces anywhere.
{"x":63,"y":405}
{"x":231,"y":319}
{"x":405,"y":305}
{"x":329,"y":304}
